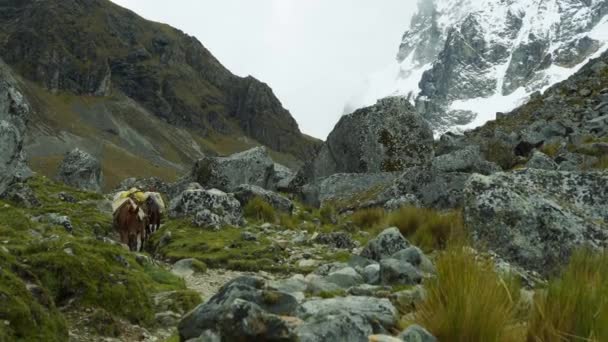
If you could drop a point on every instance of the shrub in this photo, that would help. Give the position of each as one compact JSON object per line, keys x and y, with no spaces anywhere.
{"x":427,"y":228}
{"x":574,"y":307}
{"x":368,"y":218}
{"x":469,"y":302}
{"x":258,"y":209}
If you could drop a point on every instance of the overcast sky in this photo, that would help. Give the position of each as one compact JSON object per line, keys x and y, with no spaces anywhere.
{"x":315,"y":54}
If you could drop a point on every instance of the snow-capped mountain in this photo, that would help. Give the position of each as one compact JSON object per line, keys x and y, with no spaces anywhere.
{"x":464,"y":60}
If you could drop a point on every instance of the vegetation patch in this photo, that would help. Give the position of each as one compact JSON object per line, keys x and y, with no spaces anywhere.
{"x":258,"y":209}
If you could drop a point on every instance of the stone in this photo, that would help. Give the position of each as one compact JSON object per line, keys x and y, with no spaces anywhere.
{"x":66,"y":197}
{"x":387,"y":243}
{"x":407,"y":300}
{"x":397,"y":272}
{"x":430,"y":187}
{"x":245,"y":193}
{"x":407,"y":200}
{"x":330,"y":267}
{"x":58,"y":220}
{"x":340,"y":240}
{"x":247,"y":236}
{"x":209,"y":208}
{"x":387,"y":137}
{"x":167,"y":319}
{"x":81,"y":170}
{"x":183,"y":268}
{"x":416,"y":257}
{"x":374,"y":310}
{"x":416,"y":333}
{"x":21,"y":194}
{"x":318,"y":285}
{"x":541,"y":161}
{"x":466,"y":160}
{"x":252,"y":167}
{"x":243,"y":309}
{"x":335,"y":327}
{"x":282,"y":177}
{"x":371,"y":273}
{"x":345,"y":278}
{"x":536,"y":218}
{"x":15,"y":112}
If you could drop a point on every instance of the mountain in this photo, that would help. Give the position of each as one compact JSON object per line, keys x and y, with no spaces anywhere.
{"x":143,"y":96}
{"x":462,"y":61}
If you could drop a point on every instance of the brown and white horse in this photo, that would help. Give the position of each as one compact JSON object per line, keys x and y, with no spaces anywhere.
{"x":131,"y":221}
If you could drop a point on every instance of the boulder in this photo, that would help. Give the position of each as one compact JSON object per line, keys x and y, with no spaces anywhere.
{"x":397,"y":272}
{"x":318,"y":284}
{"x":377,"y":311}
{"x":253,"y":167}
{"x":536,"y":218}
{"x":416,"y":257}
{"x":81,"y":170}
{"x":387,"y":137}
{"x":416,"y":333}
{"x":21,"y":194}
{"x":345,"y":278}
{"x":209,"y":208}
{"x":242,"y":310}
{"x":541,"y":161}
{"x":371,"y":273}
{"x":282,"y":177}
{"x":387,"y":243}
{"x":14,"y":115}
{"x":467,"y":160}
{"x":335,"y":327}
{"x":431,"y":187}
{"x":245,"y":193}
{"x":347,"y":188}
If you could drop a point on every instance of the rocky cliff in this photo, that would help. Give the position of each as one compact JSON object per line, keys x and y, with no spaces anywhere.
{"x":103,"y":78}
{"x":462,"y":61}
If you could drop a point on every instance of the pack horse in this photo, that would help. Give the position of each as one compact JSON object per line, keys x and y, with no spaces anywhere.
{"x":137,"y":215}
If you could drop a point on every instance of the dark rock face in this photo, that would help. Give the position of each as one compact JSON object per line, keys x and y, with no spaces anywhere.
{"x":94,"y":47}
{"x":81,"y":170}
{"x":536,"y":218}
{"x":14,"y":115}
{"x":387,"y":137}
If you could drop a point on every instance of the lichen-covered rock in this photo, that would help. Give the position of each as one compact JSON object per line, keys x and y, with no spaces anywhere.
{"x":341,"y":240}
{"x":336,"y":327}
{"x":387,"y":243}
{"x":431,"y":187}
{"x":346,"y":187}
{"x":389,"y":136}
{"x":245,"y":193}
{"x":416,"y":333}
{"x":22,"y":195}
{"x":209,"y":208}
{"x":467,"y":160}
{"x":253,"y":167}
{"x":377,"y":311}
{"x":536,"y":218}
{"x":541,"y":161}
{"x":14,"y":115}
{"x":283,"y":176}
{"x":81,"y":170}
{"x":345,"y":278}
{"x":398,"y":272}
{"x":242,"y":310}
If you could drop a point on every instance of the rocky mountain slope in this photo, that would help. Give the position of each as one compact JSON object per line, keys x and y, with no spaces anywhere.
{"x":140,"y":95}
{"x":462,"y":61}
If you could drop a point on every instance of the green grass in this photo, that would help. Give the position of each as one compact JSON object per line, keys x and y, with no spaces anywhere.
{"x":258,"y":209}
{"x":574,"y":307}
{"x":469,"y":302}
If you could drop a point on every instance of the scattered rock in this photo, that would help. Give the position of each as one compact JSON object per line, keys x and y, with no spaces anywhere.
{"x":21,"y":194}
{"x":341,"y":240}
{"x":345,"y":278}
{"x":397,"y":272}
{"x":541,"y":161}
{"x":81,"y":170}
{"x":336,"y":327}
{"x":387,"y":243}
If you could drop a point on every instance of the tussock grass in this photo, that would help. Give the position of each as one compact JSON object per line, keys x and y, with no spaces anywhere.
{"x":369,"y":218}
{"x":258,"y":209}
{"x":428,"y":229}
{"x":469,"y":302}
{"x":574,"y":307}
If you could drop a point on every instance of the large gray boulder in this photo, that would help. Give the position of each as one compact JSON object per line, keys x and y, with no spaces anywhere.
{"x":430,"y":187}
{"x":387,"y":243}
{"x":245,"y":193}
{"x":389,"y":136}
{"x":14,"y":115}
{"x":536,"y":218}
{"x":254,"y":167}
{"x":541,"y":161}
{"x":335,"y":327}
{"x":468,"y":159}
{"x":209,"y":208}
{"x":81,"y":170}
{"x":242,"y":310}
{"x":346,"y":188}
{"x":377,"y":311}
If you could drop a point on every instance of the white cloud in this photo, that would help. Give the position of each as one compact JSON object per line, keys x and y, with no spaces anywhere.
{"x":313,"y":53}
